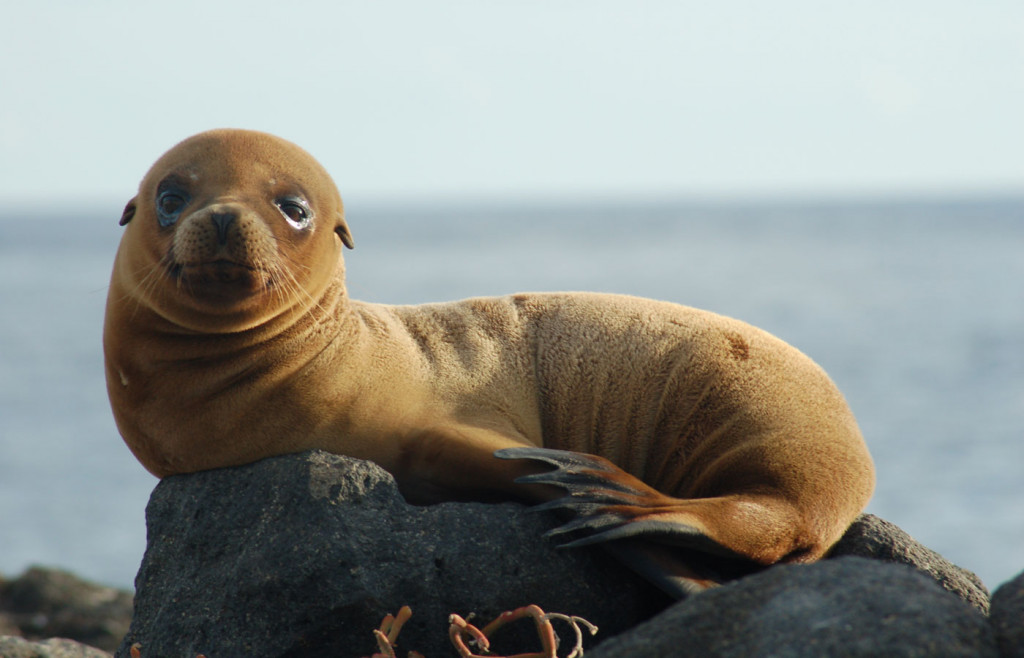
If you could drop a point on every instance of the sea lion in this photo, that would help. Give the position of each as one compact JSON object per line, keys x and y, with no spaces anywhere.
{"x":692,"y":444}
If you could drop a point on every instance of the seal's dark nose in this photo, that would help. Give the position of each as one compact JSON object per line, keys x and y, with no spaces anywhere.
{"x":222,"y":220}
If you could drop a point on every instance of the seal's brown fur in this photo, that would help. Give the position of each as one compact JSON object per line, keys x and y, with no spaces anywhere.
{"x":229,"y":337}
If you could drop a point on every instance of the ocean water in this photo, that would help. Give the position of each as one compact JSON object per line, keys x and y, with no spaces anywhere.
{"x":915,"y":307}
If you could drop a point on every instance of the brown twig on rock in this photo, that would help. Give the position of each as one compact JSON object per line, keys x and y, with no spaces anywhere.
{"x":388,"y":632}
{"x":545,"y":631}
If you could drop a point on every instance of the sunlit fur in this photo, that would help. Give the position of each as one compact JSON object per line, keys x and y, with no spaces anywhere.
{"x":227,"y":345}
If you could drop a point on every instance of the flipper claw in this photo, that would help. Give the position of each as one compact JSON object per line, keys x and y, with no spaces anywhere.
{"x":594,"y":486}
{"x":666,"y":532}
{"x":576,"y":482}
{"x":606,"y":503}
{"x":563,"y":459}
{"x":659,"y":536}
{"x":570,"y":504}
{"x":577,"y":473}
{"x":590,"y":523}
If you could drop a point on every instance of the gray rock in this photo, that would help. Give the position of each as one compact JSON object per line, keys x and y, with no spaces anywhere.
{"x":302,"y":555}
{"x":843,"y":607}
{"x":1008,"y":617}
{"x":872,"y":537}
{"x":17,"y":647}
{"x":44,"y":603}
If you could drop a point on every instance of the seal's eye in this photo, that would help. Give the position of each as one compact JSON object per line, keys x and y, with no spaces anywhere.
{"x":169,"y":206}
{"x":295,"y":210}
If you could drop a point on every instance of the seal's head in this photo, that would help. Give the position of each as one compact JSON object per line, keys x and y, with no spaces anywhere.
{"x":230,"y":228}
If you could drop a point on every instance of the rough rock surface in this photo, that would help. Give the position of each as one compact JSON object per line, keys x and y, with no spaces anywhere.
{"x":302,"y":555}
{"x":16,"y":647}
{"x":843,"y":607}
{"x":1008,"y":617}
{"x":44,"y":603}
{"x":875,"y":538}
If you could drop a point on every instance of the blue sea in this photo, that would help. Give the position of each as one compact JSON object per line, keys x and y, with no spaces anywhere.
{"x":914,"y":306}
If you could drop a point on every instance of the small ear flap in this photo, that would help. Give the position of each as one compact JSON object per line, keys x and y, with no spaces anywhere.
{"x":342,"y":230}
{"x":129,"y":212}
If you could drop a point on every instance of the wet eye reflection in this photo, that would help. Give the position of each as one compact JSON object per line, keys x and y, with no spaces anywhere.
{"x":295,"y":210}
{"x":169,"y":206}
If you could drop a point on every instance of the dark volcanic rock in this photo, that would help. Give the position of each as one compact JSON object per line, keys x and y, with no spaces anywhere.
{"x":875,"y":538}
{"x":302,"y":555}
{"x":44,"y":603}
{"x":1008,"y":617}
{"x":843,"y":607}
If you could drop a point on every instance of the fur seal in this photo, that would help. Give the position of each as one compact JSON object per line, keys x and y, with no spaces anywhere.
{"x":694,"y":445}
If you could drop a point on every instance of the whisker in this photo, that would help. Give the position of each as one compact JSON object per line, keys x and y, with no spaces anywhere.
{"x":286,"y":284}
{"x":146,"y":284}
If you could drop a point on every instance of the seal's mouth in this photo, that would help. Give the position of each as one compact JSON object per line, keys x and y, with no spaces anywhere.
{"x":220,"y":279}
{"x":222,"y":269}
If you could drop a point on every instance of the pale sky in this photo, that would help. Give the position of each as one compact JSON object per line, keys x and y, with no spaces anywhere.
{"x":409,"y":100}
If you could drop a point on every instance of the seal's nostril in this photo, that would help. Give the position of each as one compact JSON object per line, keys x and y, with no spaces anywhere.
{"x":222,"y":220}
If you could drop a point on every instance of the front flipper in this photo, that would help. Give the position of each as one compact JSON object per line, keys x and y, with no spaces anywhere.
{"x":667,"y":540}
{"x":609,"y":503}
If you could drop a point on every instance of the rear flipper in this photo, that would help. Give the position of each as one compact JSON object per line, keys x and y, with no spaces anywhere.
{"x":682,"y":546}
